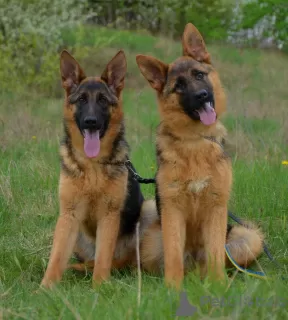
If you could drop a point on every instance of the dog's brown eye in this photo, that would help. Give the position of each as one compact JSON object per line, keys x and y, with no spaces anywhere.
{"x":180,"y":85}
{"x":199,"y":75}
{"x":102,"y":99}
{"x":83,"y":98}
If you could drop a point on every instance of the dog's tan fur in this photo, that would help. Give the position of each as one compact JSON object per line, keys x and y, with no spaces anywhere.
{"x":194,"y":176}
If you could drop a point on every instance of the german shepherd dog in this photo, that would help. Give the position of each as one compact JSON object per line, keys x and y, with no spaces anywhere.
{"x":194,"y":176}
{"x":100,"y":202}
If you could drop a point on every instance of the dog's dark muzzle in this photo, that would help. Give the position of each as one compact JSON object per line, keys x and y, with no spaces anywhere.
{"x":203,"y":97}
{"x":91,"y":123}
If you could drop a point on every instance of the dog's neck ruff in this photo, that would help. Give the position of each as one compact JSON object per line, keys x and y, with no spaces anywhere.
{"x":221,"y":144}
{"x":113,"y":163}
{"x":213,"y":139}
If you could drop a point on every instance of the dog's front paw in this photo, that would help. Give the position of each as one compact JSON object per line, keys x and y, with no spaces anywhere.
{"x":47,"y":284}
{"x":100,"y":276}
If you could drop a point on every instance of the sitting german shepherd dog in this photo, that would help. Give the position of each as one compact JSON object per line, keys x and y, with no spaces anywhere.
{"x":100,"y":202}
{"x":194,"y":176}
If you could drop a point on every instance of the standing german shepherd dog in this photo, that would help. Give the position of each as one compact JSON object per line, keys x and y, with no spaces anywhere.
{"x":100,"y":202}
{"x":194,"y":175}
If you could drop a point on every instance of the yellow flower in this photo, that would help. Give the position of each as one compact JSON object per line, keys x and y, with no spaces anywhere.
{"x":34,"y":137}
{"x":152,"y":168}
{"x":285,"y":162}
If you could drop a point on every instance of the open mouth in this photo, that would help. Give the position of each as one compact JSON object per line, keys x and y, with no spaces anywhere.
{"x":206,"y":113}
{"x":91,"y":142}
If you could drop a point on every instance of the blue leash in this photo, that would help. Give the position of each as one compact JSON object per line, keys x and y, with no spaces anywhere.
{"x":257,"y":274}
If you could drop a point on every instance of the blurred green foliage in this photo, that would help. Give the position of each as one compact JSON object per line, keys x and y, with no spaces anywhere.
{"x":212,"y":17}
{"x":271,"y":15}
{"x":30,"y":37}
{"x":215,"y":18}
{"x":33,"y":32}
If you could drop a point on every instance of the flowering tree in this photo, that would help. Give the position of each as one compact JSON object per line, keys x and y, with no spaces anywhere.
{"x":30,"y":36}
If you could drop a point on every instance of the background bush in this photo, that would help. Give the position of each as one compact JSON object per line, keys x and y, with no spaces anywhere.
{"x":32,"y":32}
{"x":253,"y":20}
{"x":260,"y":20}
{"x":168,"y":17}
{"x":30,"y":37}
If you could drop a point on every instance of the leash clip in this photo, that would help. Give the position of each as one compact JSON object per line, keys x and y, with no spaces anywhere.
{"x":129,"y":167}
{"x":136,"y":176}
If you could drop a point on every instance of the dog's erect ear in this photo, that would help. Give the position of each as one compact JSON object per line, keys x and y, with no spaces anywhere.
{"x":115,"y":72}
{"x":153,"y":70}
{"x":193,"y":44}
{"x":71,"y":72}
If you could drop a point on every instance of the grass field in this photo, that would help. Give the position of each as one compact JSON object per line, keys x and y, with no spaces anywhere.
{"x":30,"y":130}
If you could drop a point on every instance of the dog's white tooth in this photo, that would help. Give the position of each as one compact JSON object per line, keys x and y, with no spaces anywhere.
{"x":207,"y":104}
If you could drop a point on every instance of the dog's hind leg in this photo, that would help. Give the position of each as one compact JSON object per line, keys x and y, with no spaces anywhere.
{"x":85,"y":266}
{"x":129,"y":260}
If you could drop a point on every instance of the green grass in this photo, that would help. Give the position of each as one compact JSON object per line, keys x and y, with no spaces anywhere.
{"x":31,"y":128}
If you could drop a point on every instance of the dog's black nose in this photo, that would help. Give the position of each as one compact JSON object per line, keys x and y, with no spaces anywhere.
{"x":201,"y":95}
{"x":90,"y":121}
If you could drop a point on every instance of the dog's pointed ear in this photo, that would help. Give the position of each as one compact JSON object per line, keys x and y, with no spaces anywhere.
{"x":115,"y":71}
{"x":193,"y":44}
{"x":71,"y":72}
{"x":154,"y":70}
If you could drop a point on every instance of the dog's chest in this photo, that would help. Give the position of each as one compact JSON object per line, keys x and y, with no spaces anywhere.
{"x":95,"y":183}
{"x":197,"y":184}
{"x":191,"y":175}
{"x":103,"y":193}
{"x":198,"y":175}
{"x":195,"y":168}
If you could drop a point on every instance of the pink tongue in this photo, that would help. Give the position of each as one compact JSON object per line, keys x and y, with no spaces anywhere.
{"x":91,"y":143}
{"x":207,"y":114}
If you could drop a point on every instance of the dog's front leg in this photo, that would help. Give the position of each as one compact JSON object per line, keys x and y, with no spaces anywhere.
{"x":174,"y":237}
{"x":106,"y":238}
{"x":63,"y":243}
{"x":214,"y":233}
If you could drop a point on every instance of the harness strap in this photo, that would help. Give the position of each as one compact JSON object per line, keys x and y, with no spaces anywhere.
{"x":136,"y":176}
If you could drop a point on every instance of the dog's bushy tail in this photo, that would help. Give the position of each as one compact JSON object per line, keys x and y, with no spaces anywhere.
{"x":245,"y":244}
